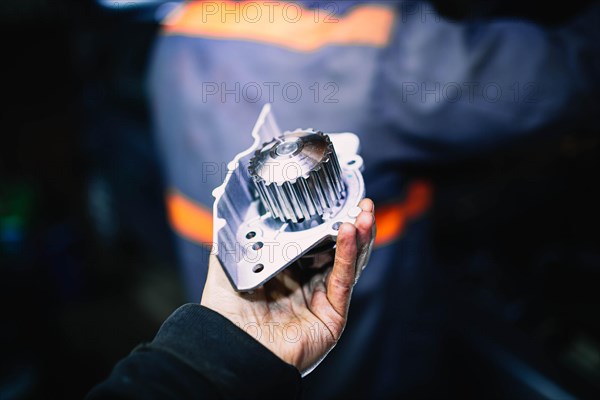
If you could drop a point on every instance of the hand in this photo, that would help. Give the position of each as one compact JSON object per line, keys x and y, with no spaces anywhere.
{"x":300,"y":314}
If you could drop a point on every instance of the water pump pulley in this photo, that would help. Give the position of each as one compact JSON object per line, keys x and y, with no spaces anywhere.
{"x":283,"y":197}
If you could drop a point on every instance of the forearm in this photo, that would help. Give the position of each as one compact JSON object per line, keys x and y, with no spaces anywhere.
{"x":199,"y":354}
{"x":459,"y":86}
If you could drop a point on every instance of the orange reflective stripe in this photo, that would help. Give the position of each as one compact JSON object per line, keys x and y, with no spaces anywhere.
{"x":419,"y":198}
{"x":189,"y":219}
{"x":283,"y":24}
{"x":194,"y":221}
{"x":390,"y":221}
{"x":392,"y":218}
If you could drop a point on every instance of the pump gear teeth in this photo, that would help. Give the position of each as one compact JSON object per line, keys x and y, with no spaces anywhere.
{"x":297,"y":175}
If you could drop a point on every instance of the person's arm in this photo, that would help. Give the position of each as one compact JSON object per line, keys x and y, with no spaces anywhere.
{"x":248,"y":345}
{"x":456,"y":87}
{"x":199,"y":354}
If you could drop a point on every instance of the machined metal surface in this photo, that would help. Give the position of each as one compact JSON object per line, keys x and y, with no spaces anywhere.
{"x":258,"y":234}
{"x":297,"y":175}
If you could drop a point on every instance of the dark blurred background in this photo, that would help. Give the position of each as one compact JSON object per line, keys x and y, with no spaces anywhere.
{"x":87,"y":269}
{"x":87,"y":265}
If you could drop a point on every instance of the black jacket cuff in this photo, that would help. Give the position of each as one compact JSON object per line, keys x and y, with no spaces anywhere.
{"x":234,"y":362}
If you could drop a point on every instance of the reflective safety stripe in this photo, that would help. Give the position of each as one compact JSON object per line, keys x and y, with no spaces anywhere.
{"x":193,"y":220}
{"x":283,"y":24}
{"x":391,"y":219}
{"x":189,"y":219}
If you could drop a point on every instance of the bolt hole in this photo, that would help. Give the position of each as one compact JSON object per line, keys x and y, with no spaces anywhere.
{"x":250,"y":235}
{"x":257,"y":246}
{"x":336,"y":226}
{"x":257,"y":268}
{"x":351,"y":162}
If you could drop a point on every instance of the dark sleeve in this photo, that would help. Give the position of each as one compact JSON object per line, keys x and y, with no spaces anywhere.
{"x":460,"y":87}
{"x":199,"y":354}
